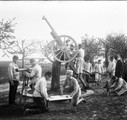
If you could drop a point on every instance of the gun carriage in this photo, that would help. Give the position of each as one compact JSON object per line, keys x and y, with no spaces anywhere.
{"x":63,"y":48}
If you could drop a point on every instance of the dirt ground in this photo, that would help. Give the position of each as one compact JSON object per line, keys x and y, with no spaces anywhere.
{"x":98,"y":107}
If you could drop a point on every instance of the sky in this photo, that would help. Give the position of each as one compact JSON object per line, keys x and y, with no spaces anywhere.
{"x":95,"y":18}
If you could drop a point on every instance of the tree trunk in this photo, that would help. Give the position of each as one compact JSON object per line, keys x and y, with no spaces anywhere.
{"x":23,"y":61}
{"x":106,"y":59}
{"x":55,"y":84}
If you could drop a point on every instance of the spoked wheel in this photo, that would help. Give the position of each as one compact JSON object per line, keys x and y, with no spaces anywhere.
{"x":48,"y":51}
{"x":66,"y":51}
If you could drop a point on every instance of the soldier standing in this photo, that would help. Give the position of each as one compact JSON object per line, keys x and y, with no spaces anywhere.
{"x":14,"y":77}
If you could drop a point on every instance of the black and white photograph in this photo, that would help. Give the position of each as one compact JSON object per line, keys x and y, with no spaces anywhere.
{"x":63,"y":60}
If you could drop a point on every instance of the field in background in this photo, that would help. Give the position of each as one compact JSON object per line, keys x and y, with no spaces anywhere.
{"x":4,"y":70}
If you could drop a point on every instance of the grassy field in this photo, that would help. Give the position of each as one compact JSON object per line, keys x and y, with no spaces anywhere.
{"x":98,"y":107}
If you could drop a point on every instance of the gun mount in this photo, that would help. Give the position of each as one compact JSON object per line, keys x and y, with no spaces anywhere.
{"x":63,"y":48}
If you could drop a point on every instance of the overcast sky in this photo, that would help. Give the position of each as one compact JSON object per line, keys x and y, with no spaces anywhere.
{"x":70,"y":18}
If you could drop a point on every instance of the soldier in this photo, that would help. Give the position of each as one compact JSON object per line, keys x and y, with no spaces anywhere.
{"x":119,"y":66}
{"x":111,"y":67}
{"x":14,"y":77}
{"x":119,"y":86}
{"x":88,"y":70}
{"x":98,"y":71}
{"x":73,"y":88}
{"x":80,"y":65}
{"x":125,"y":70}
{"x":40,"y":95}
{"x":36,"y":73}
{"x":81,"y":52}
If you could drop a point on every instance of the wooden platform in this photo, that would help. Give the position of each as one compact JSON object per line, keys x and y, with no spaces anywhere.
{"x":58,"y":97}
{"x":51,"y":98}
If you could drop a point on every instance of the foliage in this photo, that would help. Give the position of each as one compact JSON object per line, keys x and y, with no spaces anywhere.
{"x":42,"y":46}
{"x":116,"y":44}
{"x":23,"y":48}
{"x":91,"y":46}
{"x":6,"y":34}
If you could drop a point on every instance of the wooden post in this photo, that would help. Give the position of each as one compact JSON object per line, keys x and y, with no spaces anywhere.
{"x":24,"y":79}
{"x":106,"y":58}
{"x":55,"y":84}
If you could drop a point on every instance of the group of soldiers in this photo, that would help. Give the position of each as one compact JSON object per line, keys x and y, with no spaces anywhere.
{"x":84,"y":68}
{"x":117,"y":71}
{"x":117,"y":82}
{"x":38,"y":83}
{"x":14,"y":76}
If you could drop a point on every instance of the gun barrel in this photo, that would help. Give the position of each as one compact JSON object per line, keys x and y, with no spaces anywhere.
{"x":44,"y":18}
{"x":53,"y":32}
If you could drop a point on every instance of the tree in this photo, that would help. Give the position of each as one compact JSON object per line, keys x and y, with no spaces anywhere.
{"x":91,"y":46}
{"x":8,"y":43}
{"x":115,"y":44}
{"x":23,"y":48}
{"x":6,"y":34}
{"x":41,"y":46}
{"x":107,"y":47}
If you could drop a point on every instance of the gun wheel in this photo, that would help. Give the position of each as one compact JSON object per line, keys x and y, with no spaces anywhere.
{"x":66,"y":50}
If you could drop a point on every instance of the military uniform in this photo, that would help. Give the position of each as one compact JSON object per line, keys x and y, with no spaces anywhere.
{"x":36,"y":74}
{"x":73,"y":89}
{"x":120,"y":86}
{"x":13,"y":81}
{"x":98,"y":71}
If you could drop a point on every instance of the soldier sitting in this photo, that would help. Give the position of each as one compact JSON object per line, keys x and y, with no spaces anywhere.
{"x":119,"y":87}
{"x":40,"y":96}
{"x":73,"y":88}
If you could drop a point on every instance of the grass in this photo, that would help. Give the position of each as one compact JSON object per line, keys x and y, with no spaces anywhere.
{"x":98,"y":107}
